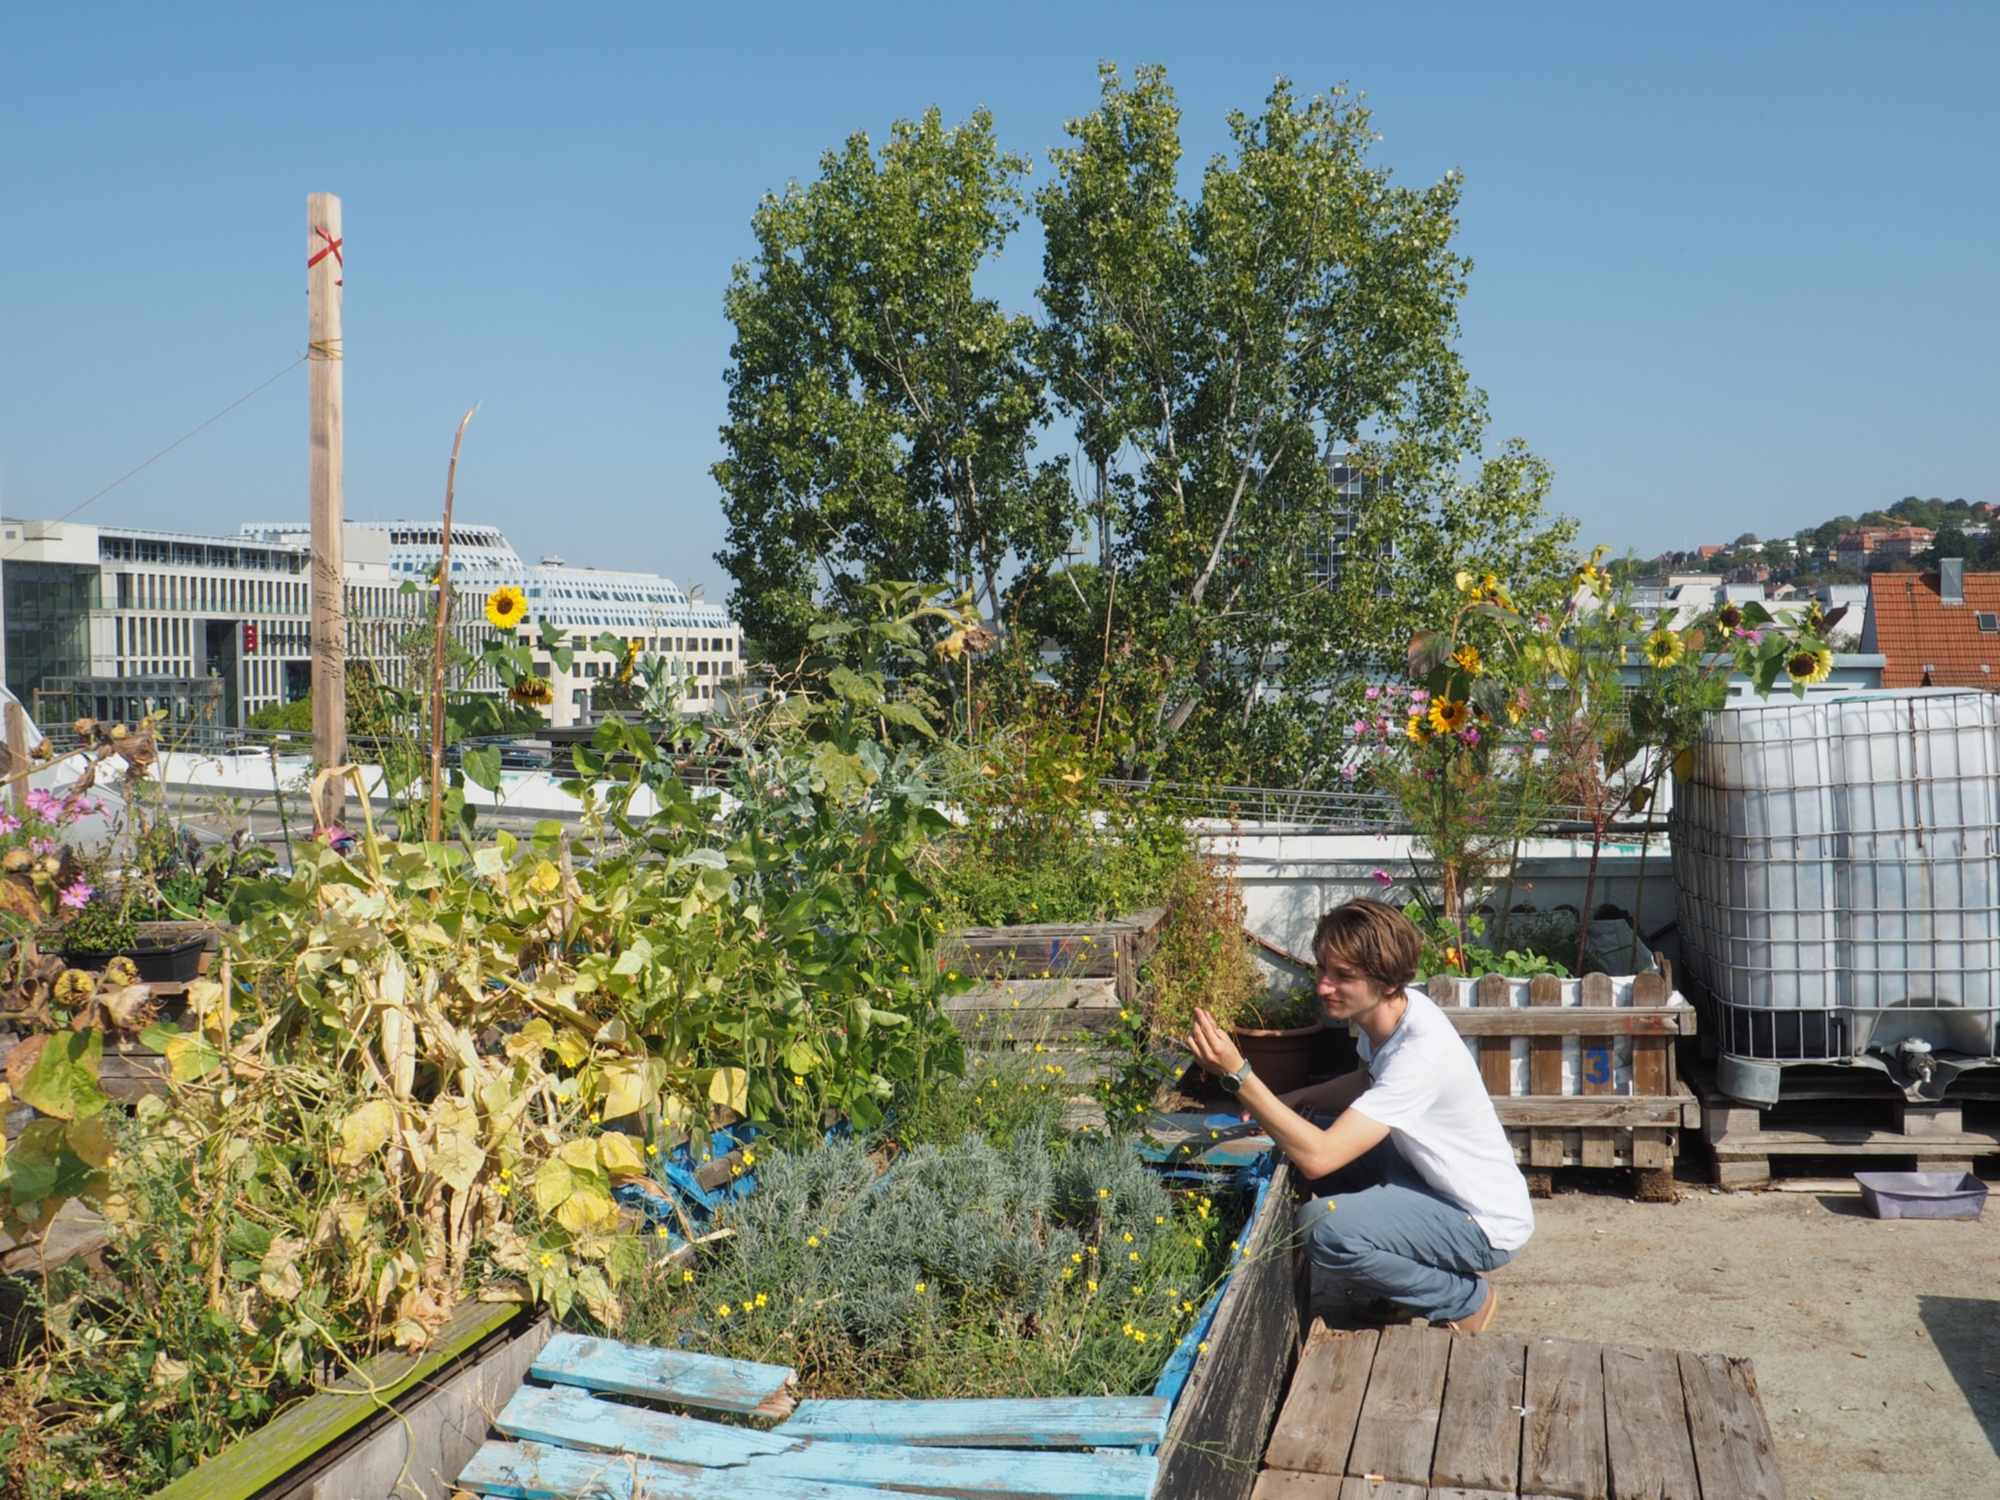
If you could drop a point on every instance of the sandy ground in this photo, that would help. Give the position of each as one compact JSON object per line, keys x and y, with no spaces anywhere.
{"x":1877,"y":1343}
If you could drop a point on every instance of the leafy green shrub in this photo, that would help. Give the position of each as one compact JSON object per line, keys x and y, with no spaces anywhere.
{"x":1203,"y":957}
{"x":1040,"y":1267}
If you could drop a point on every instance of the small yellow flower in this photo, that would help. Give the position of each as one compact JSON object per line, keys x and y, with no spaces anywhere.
{"x":1068,"y":1272}
{"x":548,"y":1260}
{"x":1133,"y":1256}
{"x":686,"y":1276}
{"x":749,"y":1158}
{"x":505,"y":1174}
{"x":1467,"y":657}
{"x":723,"y":1310}
{"x":652,"y":1150}
{"x":761,"y":1299}
{"x":922,"y":1287}
{"x":503,"y":1190}
{"x":812,"y":1242}
{"x":1078,"y":1258}
{"x":1140,"y":1335}
{"x":661,"y":1231}
{"x":1128,"y":1236}
{"x":1159,"y":1218}
{"x":1104,"y":1192}
{"x":1202,"y":1347}
{"x":1091,"y":1284}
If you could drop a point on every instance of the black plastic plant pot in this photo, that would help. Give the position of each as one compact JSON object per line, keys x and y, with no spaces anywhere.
{"x":159,"y":961}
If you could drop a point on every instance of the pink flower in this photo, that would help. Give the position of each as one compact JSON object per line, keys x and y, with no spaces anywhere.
{"x":1418,"y":695}
{"x":43,"y":846}
{"x":9,"y":823}
{"x":1359,"y":726}
{"x":1470,"y":736}
{"x":1754,"y":637}
{"x":1372,"y":694}
{"x":1382,"y":878}
{"x":1347,"y":773}
{"x":1538,"y":735}
{"x":76,"y":895}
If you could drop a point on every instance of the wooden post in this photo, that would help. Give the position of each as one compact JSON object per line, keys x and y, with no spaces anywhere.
{"x":324,"y":272}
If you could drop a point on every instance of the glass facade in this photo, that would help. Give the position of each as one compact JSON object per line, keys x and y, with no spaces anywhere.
{"x":48,"y":609}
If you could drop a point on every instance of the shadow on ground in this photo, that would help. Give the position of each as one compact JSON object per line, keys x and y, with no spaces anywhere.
{"x":1966,"y":1331}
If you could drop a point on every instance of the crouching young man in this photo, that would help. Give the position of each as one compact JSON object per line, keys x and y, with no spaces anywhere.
{"x":1414,"y":1188}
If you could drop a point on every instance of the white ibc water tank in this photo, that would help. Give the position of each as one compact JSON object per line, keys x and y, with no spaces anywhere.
{"x":1840,"y":855}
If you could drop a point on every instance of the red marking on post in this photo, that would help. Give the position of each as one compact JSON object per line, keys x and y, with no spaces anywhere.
{"x":332,"y":248}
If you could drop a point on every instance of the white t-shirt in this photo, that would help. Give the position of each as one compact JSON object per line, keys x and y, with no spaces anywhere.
{"x":1428,"y":1091}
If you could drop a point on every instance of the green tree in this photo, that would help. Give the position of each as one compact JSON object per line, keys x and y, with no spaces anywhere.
{"x":1213,"y":355}
{"x":881,"y":412}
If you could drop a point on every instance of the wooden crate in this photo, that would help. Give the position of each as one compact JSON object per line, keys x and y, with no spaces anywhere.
{"x":1552,"y":1065}
{"x":1059,"y":950}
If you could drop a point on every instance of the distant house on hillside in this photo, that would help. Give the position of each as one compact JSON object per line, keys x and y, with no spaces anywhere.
{"x":1867,"y":546}
{"x":1936,"y":629}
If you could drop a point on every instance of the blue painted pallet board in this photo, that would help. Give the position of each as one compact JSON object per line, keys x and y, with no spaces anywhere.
{"x":537,"y":1471}
{"x":576,"y":1419}
{"x":664,"y":1375}
{"x":1055,"y":1422}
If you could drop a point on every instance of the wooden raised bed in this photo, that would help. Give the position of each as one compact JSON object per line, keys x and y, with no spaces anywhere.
{"x":1582,"y":1072}
{"x":1059,"y":951}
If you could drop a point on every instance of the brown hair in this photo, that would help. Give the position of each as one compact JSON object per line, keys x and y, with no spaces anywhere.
{"x":1376,"y":939}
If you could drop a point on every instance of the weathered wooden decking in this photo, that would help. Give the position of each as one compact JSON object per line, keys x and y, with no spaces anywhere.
{"x":1417,"y":1413}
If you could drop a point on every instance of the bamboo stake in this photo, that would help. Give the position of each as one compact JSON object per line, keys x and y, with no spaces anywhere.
{"x":436,"y":831}
{"x":324,"y":275}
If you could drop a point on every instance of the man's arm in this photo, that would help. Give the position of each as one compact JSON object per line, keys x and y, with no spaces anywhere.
{"x":1330,"y":1097}
{"x":1313,"y":1151}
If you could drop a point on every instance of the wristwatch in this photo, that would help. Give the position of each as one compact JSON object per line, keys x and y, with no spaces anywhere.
{"x":1231,"y":1082}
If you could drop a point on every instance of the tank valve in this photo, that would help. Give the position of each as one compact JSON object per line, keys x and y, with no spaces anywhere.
{"x":1916,"y":1057}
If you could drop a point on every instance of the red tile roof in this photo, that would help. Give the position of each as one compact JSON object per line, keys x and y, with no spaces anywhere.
{"x":1929,"y":645}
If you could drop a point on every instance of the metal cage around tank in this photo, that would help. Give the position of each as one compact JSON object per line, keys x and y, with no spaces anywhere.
{"x":1838,"y":866}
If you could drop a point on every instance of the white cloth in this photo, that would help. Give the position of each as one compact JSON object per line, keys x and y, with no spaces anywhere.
{"x":1427,"y":1090}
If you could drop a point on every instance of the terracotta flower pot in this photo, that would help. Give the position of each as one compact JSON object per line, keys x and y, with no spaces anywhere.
{"x":1283,"y":1059}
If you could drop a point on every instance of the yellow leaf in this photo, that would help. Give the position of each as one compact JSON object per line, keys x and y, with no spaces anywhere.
{"x":619,"y":1152}
{"x":189,"y":1056}
{"x":625,"y":1089}
{"x":366,"y":1130}
{"x":581,"y":1155}
{"x":554,"y":1183}
{"x":279,"y":1275}
{"x":545,"y":879}
{"x":531,"y":1040}
{"x":456,"y":1159}
{"x":587,"y":1211}
{"x":730,"y":1087}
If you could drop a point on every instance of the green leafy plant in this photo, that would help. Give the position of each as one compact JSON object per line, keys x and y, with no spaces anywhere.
{"x":1203,"y":957}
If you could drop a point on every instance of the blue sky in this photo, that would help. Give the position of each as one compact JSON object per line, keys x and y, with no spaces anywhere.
{"x":1734,"y":266}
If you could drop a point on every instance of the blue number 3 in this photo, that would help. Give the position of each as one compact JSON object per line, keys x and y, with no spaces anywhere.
{"x":1597,"y":1065}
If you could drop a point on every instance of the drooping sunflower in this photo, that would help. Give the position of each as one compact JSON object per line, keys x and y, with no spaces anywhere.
{"x":1729,"y":617}
{"x":1418,"y":731}
{"x":507,"y":608}
{"x":1448,"y":715}
{"x":1663,"y":647}
{"x":1809,"y":664}
{"x":1467,"y":657}
{"x":532,"y":692}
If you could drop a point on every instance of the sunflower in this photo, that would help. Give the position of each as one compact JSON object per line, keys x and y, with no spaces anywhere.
{"x":1467,"y":657}
{"x":1729,"y":617}
{"x":532,"y":692}
{"x":1809,"y":664}
{"x":1663,"y":648}
{"x":507,"y":608}
{"x":1418,"y":731}
{"x":1448,"y":716}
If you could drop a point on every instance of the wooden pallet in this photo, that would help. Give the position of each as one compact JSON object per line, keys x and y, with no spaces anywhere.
{"x":1059,"y":950}
{"x":1575,"y":1115}
{"x":1862,"y":1123}
{"x":1416,"y":1412}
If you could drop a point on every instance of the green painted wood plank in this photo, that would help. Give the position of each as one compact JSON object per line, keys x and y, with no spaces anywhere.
{"x":663,"y":1374}
{"x":537,"y":1471}
{"x":1057,"y":1422}
{"x":314,"y":1424}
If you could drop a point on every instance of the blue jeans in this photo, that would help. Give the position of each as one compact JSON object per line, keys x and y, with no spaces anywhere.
{"x":1383,"y":1231}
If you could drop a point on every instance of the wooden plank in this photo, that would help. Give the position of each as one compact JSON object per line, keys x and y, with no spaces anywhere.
{"x":1285,"y":1484}
{"x":1652,"y":1150}
{"x":1651,"y":1070}
{"x":1368,"y":1487}
{"x":1733,"y":1452}
{"x":1216,"y":1434}
{"x":1648,"y":1452}
{"x":1597,"y":1067}
{"x":537,"y":1471}
{"x":299,"y":1432}
{"x":1445,"y":990}
{"x":966,"y":1471}
{"x":1598,"y":1147}
{"x":1651,"y":989}
{"x":1496,"y":1056}
{"x":1479,"y":1427}
{"x":1572,"y":1113}
{"x":1545,"y":1072}
{"x":665,"y":1375}
{"x":1054,"y":1422}
{"x":1571,"y":1020}
{"x":1399,"y":1415}
{"x":1316,"y":1426}
{"x":1562,"y":1445}
{"x":1845,"y":1140}
{"x":573,"y":1418}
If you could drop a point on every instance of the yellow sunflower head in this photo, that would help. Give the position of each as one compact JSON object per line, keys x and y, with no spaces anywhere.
{"x":1418,"y":731}
{"x":507,"y":608}
{"x":1809,"y":664}
{"x":1663,"y":648}
{"x":1467,"y":657}
{"x":532,"y":692}
{"x":1448,"y":715}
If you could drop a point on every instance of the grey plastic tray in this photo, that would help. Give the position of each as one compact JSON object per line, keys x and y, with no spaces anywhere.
{"x":1922,"y":1195}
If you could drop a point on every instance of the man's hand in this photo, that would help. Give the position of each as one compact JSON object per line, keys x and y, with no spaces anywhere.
{"x":1211,"y":1045}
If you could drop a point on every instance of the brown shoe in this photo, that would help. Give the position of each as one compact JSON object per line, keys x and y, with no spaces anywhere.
{"x":1480,"y":1321}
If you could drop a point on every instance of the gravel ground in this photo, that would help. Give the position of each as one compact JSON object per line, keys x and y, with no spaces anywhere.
{"x":1877,"y":1343}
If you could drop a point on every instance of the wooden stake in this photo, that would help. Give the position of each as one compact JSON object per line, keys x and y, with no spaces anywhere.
{"x":437,"y":653}
{"x":324,"y":273}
